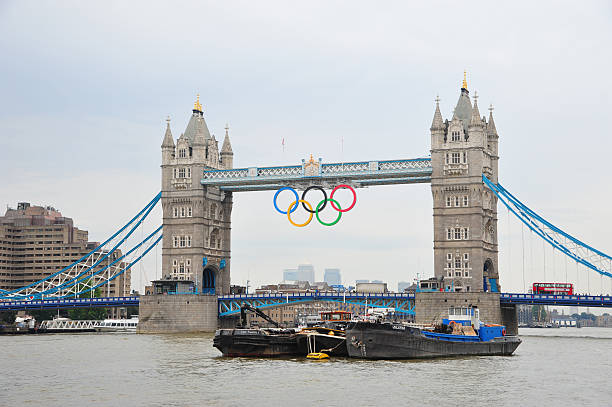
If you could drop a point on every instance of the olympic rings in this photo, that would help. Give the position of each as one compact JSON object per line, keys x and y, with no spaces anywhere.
{"x":319,"y":208}
{"x":354,"y":198}
{"x":324,"y":202}
{"x":324,"y":197}
{"x":294,"y":203}
{"x":276,"y":196}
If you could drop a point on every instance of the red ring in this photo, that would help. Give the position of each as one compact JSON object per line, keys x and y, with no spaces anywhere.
{"x":354,"y":198}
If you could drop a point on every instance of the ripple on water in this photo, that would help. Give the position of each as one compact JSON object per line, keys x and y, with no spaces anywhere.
{"x":178,"y":370}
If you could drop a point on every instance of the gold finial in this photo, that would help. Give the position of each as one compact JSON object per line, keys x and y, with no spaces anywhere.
{"x":464,"y":85}
{"x":168,"y":120}
{"x":491,"y":108}
{"x":197,"y":105}
{"x":226,"y":129}
{"x":437,"y":99}
{"x":311,"y":159}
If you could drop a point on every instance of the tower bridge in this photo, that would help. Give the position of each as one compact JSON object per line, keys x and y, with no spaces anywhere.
{"x":198,"y":182}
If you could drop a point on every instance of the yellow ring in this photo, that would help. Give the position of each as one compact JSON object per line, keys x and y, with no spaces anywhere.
{"x":289,"y":213}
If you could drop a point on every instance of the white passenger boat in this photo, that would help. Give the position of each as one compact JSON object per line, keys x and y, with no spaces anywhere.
{"x":118,"y":325}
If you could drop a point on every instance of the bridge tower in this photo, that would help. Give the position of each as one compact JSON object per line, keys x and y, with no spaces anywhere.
{"x":464,"y":209}
{"x":196,"y":218}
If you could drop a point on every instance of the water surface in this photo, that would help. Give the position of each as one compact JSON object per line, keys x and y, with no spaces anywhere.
{"x":552,"y":367}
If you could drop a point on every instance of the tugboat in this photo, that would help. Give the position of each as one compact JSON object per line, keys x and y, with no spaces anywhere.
{"x":462,"y":333}
{"x":261,"y":342}
{"x":329,"y":337}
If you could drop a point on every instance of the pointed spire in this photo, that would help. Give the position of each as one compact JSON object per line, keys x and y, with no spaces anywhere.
{"x":475,"y":120}
{"x":491,"y":126}
{"x":199,"y":138}
{"x":437,"y":122}
{"x":168,"y":139}
{"x":227,"y":146}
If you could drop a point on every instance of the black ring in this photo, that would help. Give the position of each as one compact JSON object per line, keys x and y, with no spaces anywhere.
{"x":324,"y":196}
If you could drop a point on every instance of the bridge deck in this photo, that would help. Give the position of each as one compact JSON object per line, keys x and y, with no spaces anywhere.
{"x":358,"y":174}
{"x":230,"y":304}
{"x":55,"y":303}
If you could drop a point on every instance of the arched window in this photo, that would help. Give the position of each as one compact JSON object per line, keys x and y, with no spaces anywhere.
{"x":213,"y":211}
{"x":215,"y":241}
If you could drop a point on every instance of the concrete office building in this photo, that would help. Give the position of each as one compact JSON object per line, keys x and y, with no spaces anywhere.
{"x":37,"y":241}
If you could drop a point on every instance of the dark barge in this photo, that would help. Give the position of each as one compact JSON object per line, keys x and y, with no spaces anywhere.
{"x":461,"y":334}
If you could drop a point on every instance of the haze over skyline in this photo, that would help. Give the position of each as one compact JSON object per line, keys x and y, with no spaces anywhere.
{"x":87,"y":88}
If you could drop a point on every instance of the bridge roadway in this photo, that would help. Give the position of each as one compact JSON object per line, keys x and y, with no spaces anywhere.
{"x":229,"y":305}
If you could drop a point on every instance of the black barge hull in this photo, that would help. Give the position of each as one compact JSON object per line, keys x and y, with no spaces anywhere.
{"x":367,"y":340}
{"x":332,"y":345}
{"x":255,"y":343}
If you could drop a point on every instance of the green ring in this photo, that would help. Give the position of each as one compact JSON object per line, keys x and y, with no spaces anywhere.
{"x":317,"y":212}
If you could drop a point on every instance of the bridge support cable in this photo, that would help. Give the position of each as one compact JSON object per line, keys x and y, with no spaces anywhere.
{"x":570,"y":246}
{"x":88,"y":282}
{"x":64,"y":281}
{"x":120,"y":272}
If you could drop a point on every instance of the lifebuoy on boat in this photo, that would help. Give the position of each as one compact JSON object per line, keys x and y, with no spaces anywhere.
{"x":503,"y":331}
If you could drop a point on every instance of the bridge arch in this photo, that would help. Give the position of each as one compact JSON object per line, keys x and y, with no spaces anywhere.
{"x":209,"y":279}
{"x":489,"y":276}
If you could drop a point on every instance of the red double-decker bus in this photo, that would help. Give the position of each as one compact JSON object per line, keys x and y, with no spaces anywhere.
{"x":553,"y":288}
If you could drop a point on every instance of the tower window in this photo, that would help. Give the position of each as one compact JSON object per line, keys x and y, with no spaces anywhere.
{"x":175,"y":212}
{"x":456,"y":158}
{"x":456,"y":201}
{"x":455,"y":136}
{"x":448,"y":201}
{"x":465,"y":157}
{"x":182,"y":153}
{"x":466,"y":200}
{"x":189,"y":211}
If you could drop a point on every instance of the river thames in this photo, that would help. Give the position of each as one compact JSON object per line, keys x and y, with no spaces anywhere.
{"x":552,"y":367}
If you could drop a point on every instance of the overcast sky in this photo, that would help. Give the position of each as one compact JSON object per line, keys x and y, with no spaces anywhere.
{"x":85,"y":88}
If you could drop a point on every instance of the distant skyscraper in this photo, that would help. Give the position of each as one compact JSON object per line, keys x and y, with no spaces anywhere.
{"x":305,"y":272}
{"x":290,"y":275}
{"x":332,"y":277}
{"x":402,"y":285}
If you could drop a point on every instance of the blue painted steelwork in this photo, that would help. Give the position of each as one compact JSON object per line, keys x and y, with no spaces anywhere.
{"x":604,"y":301}
{"x":359,"y":174}
{"x":140,"y":217}
{"x":557,"y":238}
{"x":60,"y":303}
{"x":230,"y":304}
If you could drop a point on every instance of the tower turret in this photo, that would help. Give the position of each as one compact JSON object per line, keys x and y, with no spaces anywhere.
{"x":227,"y":155}
{"x":168,"y":144}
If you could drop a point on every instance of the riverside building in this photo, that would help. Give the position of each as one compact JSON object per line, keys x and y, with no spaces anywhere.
{"x":37,"y":241}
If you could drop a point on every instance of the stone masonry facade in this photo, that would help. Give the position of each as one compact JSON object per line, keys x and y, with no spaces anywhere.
{"x":464,"y":209}
{"x":196,"y":219}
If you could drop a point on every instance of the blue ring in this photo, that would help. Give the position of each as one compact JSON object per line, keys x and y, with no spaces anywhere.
{"x":297,"y":198}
